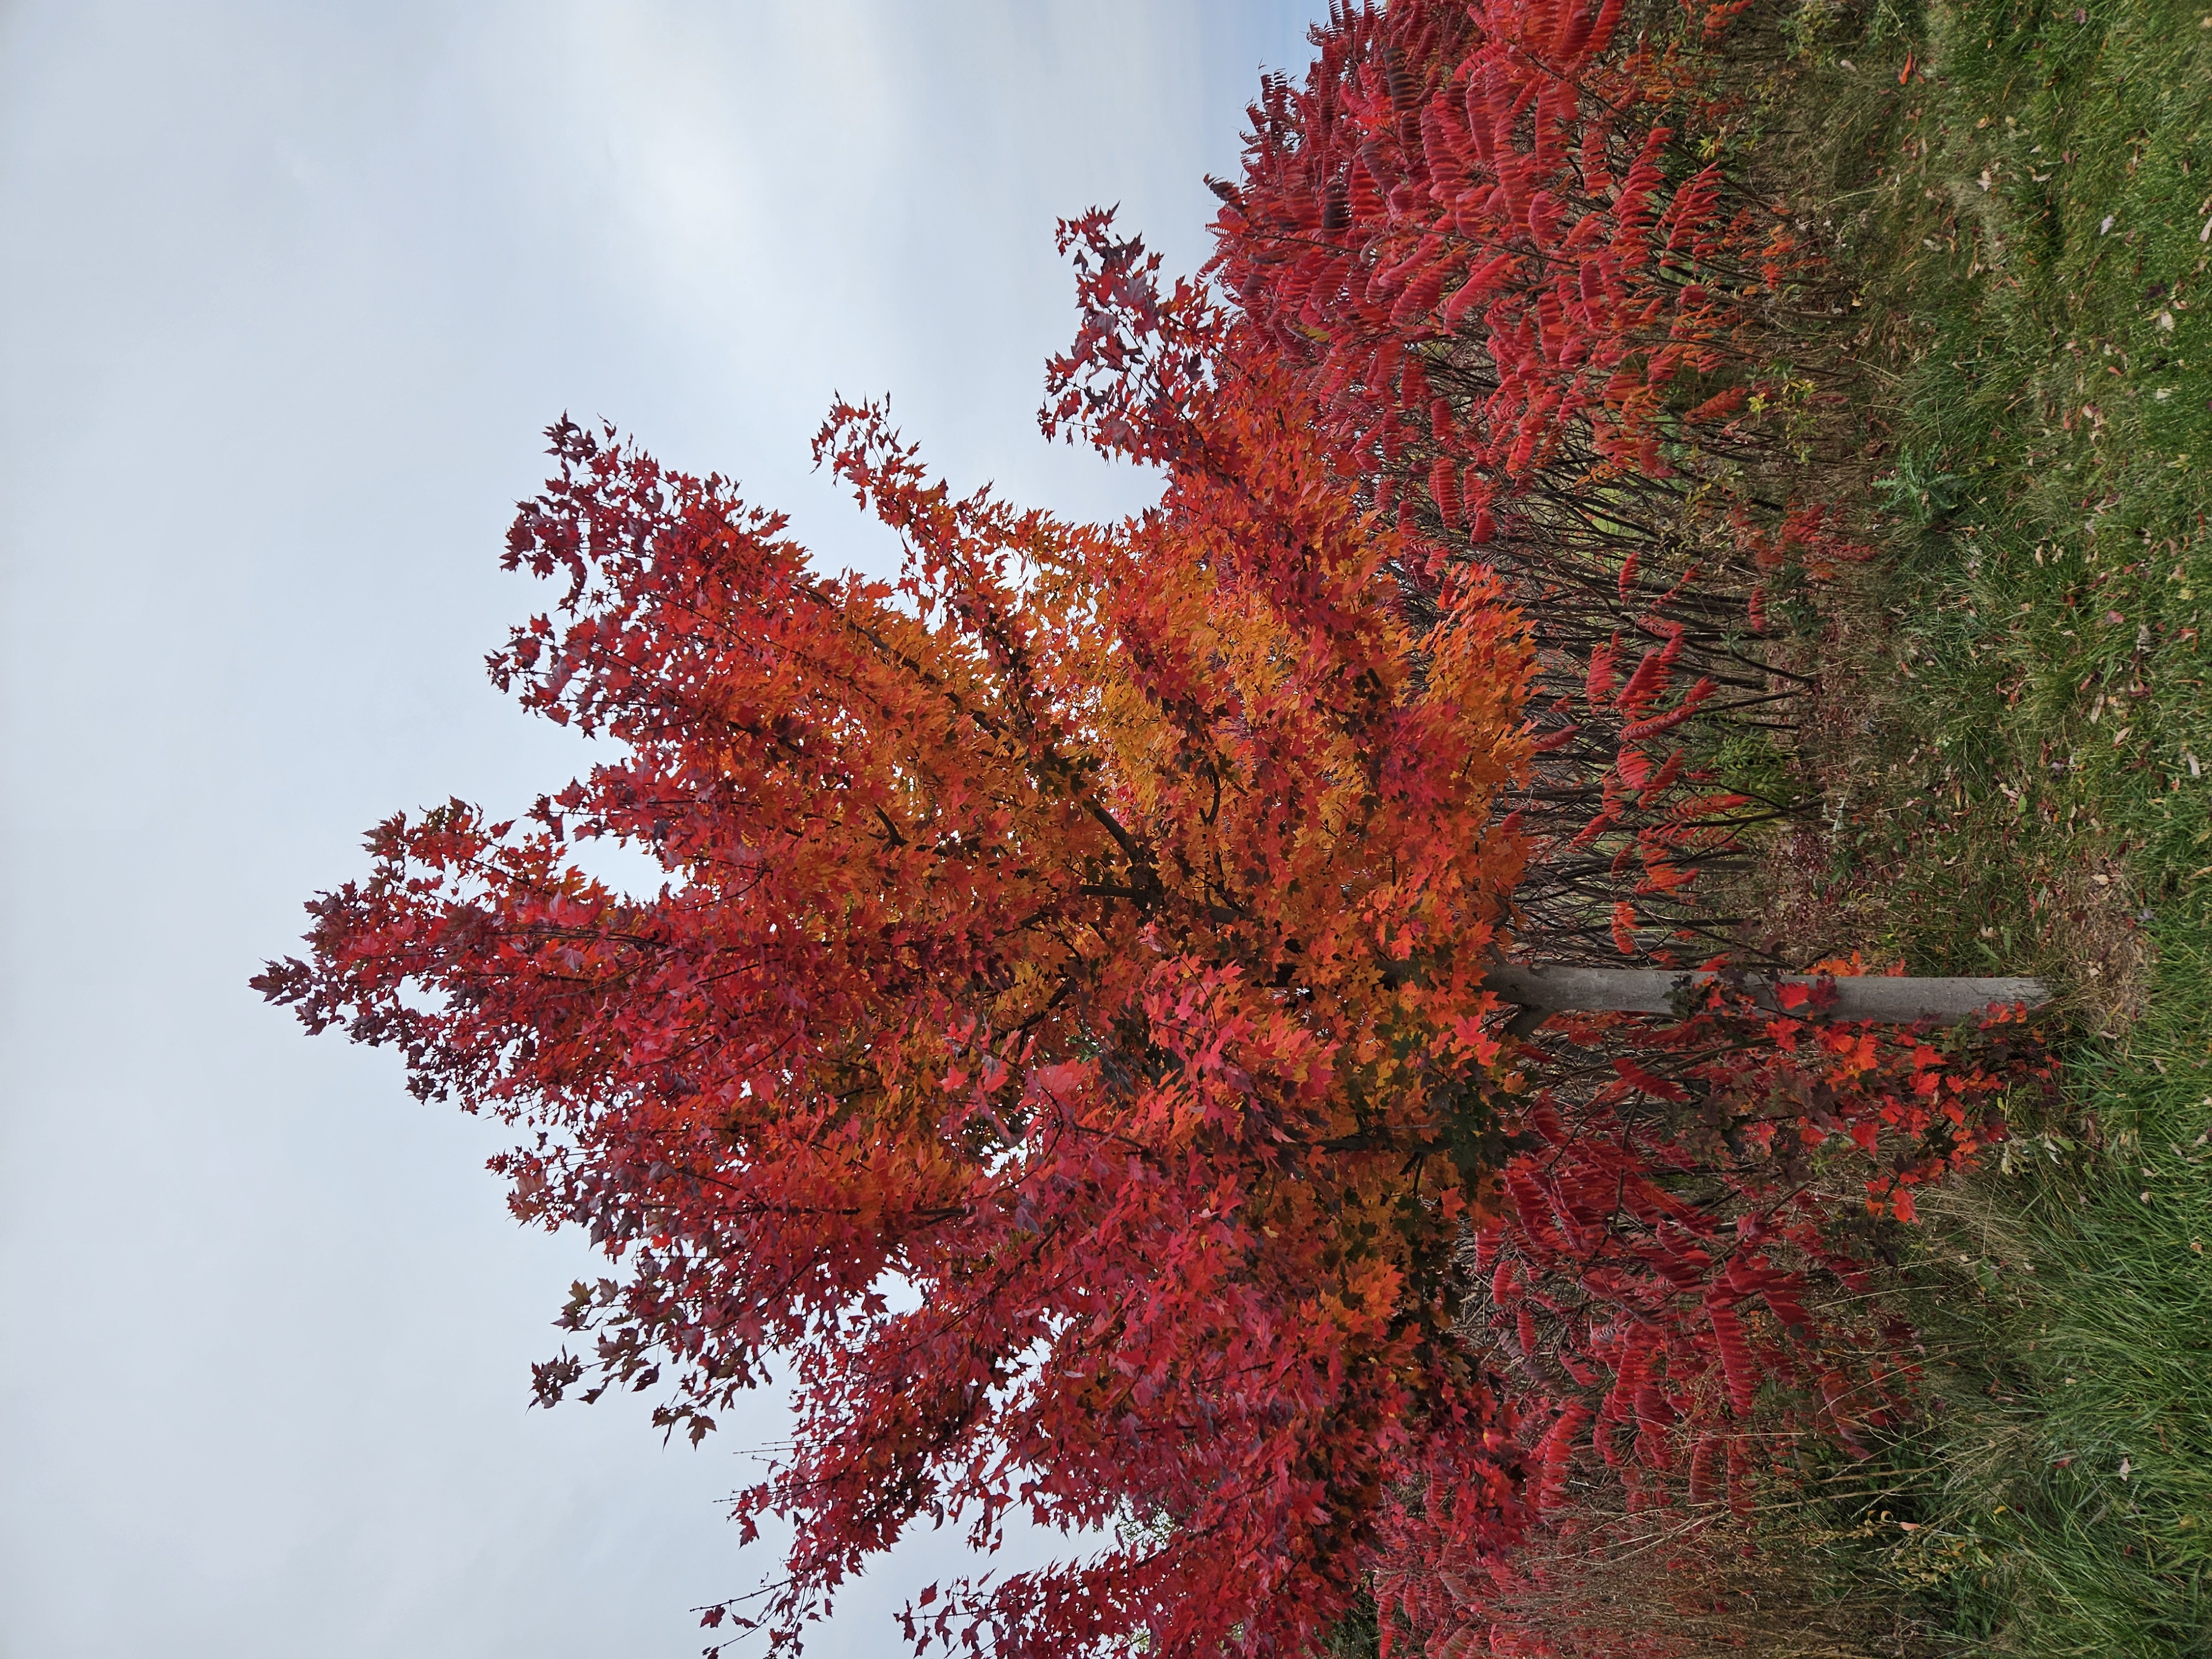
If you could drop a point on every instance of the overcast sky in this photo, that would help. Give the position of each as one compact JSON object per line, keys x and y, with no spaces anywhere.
{"x":287,"y":294}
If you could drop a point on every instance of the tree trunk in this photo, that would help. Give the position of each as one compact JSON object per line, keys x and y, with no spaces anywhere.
{"x":1542,"y":992}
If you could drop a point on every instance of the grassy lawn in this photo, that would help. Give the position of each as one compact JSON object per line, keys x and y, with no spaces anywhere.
{"x":2014,"y":766}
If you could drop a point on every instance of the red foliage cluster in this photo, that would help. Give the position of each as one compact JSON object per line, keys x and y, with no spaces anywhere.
{"x":1490,"y":177}
{"x":1673,"y":1289}
{"x":1517,"y":262}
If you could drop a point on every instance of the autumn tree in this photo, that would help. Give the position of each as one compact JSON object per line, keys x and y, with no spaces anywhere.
{"x":1060,"y":1036}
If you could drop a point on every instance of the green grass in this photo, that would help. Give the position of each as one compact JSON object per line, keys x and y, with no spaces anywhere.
{"x":2018,"y":772}
{"x":2063,"y":1490}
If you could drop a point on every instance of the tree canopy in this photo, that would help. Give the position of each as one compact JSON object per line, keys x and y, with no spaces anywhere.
{"x":1062,"y":1031}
